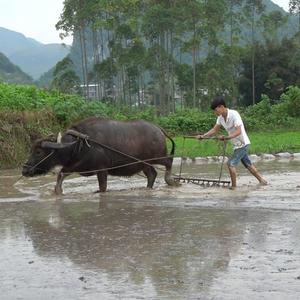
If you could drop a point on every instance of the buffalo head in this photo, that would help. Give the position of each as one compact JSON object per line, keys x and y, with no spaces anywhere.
{"x":45,"y":155}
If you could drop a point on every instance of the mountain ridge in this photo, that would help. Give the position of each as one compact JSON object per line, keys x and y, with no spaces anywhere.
{"x":31,"y":56}
{"x":11,"y":73}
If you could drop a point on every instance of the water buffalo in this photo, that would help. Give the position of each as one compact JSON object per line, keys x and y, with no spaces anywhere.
{"x":98,"y":146}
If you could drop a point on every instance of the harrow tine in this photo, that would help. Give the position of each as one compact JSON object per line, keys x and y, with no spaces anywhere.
{"x":203,"y":182}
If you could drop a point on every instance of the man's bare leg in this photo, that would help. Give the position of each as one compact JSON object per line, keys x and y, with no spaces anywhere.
{"x":232,"y":173}
{"x":252,"y":169}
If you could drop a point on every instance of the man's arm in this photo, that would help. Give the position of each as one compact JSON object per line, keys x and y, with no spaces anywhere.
{"x":236,"y":133}
{"x":210,"y":133}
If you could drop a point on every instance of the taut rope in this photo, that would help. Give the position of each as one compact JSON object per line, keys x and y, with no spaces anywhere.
{"x":87,"y":139}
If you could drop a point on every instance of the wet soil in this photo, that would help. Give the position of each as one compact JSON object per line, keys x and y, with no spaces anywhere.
{"x":188,"y":242}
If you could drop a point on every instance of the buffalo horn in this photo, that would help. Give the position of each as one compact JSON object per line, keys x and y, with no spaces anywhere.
{"x":52,"y":145}
{"x":59,"y":136}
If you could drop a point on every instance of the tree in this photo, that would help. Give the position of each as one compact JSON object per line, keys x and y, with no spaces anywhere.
{"x":271,"y":23}
{"x":277,"y":67}
{"x":184,"y":74}
{"x":157,"y":24}
{"x":235,"y":18}
{"x":203,"y":21}
{"x":252,"y":8}
{"x":65,"y":79}
{"x":294,"y":7}
{"x":74,"y":20}
{"x":107,"y":70}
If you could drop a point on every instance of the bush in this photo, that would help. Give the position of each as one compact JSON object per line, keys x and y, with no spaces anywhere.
{"x":187,"y":121}
{"x":289,"y":102}
{"x":259,"y":115}
{"x":265,"y":116}
{"x":261,"y":110}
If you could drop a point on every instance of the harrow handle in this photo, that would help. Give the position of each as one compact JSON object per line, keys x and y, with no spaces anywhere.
{"x":195,"y":137}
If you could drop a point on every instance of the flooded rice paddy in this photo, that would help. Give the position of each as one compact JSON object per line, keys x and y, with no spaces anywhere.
{"x":187,"y":242}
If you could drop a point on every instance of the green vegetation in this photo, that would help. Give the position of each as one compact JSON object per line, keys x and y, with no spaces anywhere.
{"x":27,"y":113}
{"x":266,"y":142}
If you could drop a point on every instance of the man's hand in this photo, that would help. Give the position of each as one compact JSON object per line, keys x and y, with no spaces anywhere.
{"x":223,"y":137}
{"x":200,"y":136}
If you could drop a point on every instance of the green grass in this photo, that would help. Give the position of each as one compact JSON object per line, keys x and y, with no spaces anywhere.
{"x":275,"y":141}
{"x":261,"y":142}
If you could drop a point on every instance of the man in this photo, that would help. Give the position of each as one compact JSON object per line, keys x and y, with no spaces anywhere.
{"x":231,"y":120}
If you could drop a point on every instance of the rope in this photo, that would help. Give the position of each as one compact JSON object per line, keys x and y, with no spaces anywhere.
{"x":32,"y":167}
{"x":127,"y":155}
{"x":121,"y":166}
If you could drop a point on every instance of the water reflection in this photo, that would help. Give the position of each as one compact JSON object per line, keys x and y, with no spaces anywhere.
{"x":179,"y":250}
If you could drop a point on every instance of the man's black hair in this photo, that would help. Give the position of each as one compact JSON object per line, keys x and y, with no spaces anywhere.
{"x":217,"y":101}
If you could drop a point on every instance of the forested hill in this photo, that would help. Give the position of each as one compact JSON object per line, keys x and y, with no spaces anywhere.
{"x":11,"y":73}
{"x":292,"y":25}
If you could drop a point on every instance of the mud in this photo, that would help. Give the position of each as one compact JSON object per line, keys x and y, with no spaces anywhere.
{"x":188,"y":242}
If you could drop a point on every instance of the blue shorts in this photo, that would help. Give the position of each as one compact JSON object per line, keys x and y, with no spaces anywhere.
{"x":240,"y":154}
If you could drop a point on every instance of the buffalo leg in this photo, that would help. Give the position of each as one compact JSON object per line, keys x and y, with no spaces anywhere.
{"x":168,"y":174}
{"x":151,"y":174}
{"x":102,"y":180}
{"x":60,"y":178}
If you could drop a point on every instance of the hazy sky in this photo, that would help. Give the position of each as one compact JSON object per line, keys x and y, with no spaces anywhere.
{"x":37,"y":18}
{"x":283,"y":3}
{"x":34,"y":18}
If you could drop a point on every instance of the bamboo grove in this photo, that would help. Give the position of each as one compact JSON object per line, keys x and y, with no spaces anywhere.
{"x":168,"y":53}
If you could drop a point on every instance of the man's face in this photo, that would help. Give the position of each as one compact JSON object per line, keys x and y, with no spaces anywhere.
{"x":219,"y":110}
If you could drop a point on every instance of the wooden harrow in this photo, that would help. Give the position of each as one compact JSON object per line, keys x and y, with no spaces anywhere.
{"x":202,"y":181}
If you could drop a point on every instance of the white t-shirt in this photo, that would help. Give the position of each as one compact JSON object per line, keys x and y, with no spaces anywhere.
{"x":233,"y":121}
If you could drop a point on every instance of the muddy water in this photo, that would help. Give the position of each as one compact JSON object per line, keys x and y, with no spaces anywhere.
{"x":188,"y":242}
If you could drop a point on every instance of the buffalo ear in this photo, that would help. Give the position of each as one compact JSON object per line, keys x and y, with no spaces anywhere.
{"x":52,"y":145}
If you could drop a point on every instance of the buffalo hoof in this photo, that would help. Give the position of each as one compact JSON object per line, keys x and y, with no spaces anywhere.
{"x":172,"y":182}
{"x":58,"y":192}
